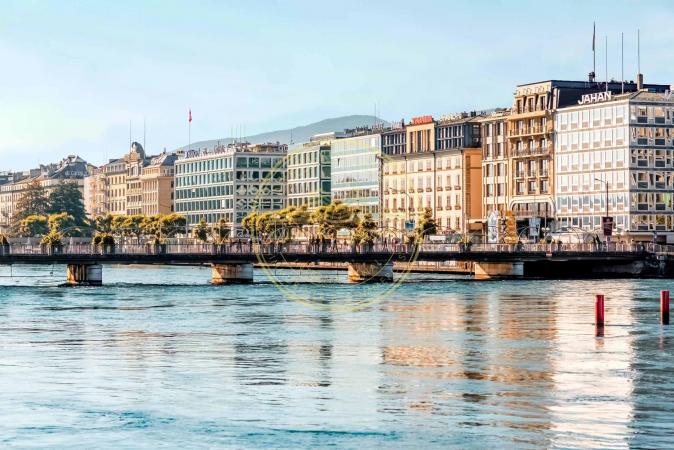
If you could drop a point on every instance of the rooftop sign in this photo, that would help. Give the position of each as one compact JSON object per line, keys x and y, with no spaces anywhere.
{"x":420,"y":120}
{"x":595,"y":98}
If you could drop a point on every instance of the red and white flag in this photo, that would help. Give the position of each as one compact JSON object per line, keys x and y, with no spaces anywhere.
{"x":190,"y":117}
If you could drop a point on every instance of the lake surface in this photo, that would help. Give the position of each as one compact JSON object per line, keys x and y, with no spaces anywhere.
{"x":158,"y":357}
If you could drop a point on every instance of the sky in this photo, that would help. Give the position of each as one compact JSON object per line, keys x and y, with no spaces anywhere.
{"x":75,"y":74}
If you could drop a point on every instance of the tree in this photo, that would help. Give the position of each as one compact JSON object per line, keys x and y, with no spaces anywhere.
{"x":201,"y":231}
{"x":34,"y":225}
{"x":33,"y":202}
{"x":299,"y":217}
{"x":103,"y":224}
{"x":366,"y":231}
{"x":132,"y":225}
{"x":150,"y":226}
{"x":117,"y":224}
{"x":334,"y":217}
{"x":426,"y":225}
{"x":221,"y":231}
{"x":172,"y":224}
{"x":66,"y":197}
{"x":62,"y":223}
{"x":249,"y":223}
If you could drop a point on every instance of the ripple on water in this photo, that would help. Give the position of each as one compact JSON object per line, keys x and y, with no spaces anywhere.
{"x":141,"y":362}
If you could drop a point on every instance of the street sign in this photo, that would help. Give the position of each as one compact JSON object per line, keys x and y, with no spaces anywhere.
{"x":409,"y":225}
{"x":607,"y":225}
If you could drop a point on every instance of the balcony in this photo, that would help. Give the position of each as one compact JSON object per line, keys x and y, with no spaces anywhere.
{"x":531,"y":151}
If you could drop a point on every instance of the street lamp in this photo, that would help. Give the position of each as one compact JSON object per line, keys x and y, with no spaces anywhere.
{"x":606,"y":184}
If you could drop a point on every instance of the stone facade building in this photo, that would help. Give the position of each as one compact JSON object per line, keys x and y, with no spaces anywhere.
{"x":440,"y":170}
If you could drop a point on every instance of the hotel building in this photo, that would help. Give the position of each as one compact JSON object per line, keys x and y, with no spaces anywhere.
{"x":356,"y":167}
{"x":309,"y":175}
{"x":157,"y":188}
{"x":131,"y":185}
{"x":440,"y":169}
{"x":625,"y":142}
{"x":530,"y":130}
{"x":229,"y":182}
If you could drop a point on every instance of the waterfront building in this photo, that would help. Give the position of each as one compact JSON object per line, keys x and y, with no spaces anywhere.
{"x":495,"y":164}
{"x":620,"y":146}
{"x":394,"y":139}
{"x":309,"y":174}
{"x":134,"y":161}
{"x":440,"y":170}
{"x":133,"y":184}
{"x":530,"y":133}
{"x":71,"y":169}
{"x":95,"y":199}
{"x":157,"y":184}
{"x":356,"y":168}
{"x":114,"y":173}
{"x":229,"y":182}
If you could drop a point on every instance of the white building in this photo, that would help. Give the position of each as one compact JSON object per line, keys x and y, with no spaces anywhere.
{"x":356,"y":170}
{"x":230,"y":182}
{"x":626,"y":141}
{"x":309,"y":172}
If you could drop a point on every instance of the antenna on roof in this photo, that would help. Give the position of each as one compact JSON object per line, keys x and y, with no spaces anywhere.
{"x":606,"y":60}
{"x":129,"y":133}
{"x":622,"y":63}
{"x":594,"y":58}
{"x":640,"y":77}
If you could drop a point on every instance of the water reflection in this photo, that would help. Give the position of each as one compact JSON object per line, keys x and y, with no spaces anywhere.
{"x":461,"y":364}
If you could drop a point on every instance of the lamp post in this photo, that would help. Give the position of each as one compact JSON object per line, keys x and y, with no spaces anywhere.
{"x":606,"y":184}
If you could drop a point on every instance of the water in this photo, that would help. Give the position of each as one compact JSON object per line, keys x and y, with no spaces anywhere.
{"x":435,"y":364}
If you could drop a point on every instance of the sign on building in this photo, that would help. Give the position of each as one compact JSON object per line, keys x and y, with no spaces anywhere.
{"x":607,"y":225}
{"x":492,"y":227}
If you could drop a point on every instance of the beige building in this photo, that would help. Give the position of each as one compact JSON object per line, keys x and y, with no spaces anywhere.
{"x":133,"y":184}
{"x":495,"y":163}
{"x":157,"y":185}
{"x":441,"y":170}
{"x":70,"y":169}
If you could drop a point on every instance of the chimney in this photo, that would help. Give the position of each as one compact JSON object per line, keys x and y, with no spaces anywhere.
{"x":640,"y":81}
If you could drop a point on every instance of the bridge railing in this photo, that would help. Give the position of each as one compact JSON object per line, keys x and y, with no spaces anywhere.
{"x":302,"y":247}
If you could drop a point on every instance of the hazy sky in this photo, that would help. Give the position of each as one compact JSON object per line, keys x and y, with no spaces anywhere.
{"x":73,"y":73}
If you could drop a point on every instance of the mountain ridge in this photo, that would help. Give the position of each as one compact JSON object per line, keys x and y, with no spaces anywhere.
{"x":299,"y":134}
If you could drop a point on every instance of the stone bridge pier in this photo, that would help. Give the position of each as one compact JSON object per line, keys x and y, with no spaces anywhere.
{"x":498,"y":270}
{"x":234,"y":273}
{"x":84,"y":275}
{"x":372,"y":272}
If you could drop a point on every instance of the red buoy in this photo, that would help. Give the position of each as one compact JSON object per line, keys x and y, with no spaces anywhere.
{"x":599,"y":314}
{"x":664,"y":307}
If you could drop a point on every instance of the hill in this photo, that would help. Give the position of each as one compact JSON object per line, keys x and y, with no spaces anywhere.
{"x":299,"y":134}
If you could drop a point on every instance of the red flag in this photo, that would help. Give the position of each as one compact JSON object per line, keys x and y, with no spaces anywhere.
{"x":190,"y":117}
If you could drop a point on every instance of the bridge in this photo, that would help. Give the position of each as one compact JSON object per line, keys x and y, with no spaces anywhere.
{"x":233,"y":262}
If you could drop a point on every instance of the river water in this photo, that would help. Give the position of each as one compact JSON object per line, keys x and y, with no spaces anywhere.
{"x":158,"y":357}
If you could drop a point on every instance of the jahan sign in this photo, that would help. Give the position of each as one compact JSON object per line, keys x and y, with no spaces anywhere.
{"x":595,"y":98}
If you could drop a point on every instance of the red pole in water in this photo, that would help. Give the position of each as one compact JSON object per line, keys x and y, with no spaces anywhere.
{"x":664,"y":307}
{"x":599,"y":311}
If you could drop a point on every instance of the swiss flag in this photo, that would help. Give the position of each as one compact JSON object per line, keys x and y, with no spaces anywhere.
{"x":190,"y":116}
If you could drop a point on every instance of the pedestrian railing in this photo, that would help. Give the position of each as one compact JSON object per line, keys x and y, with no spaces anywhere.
{"x":332,"y":247}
